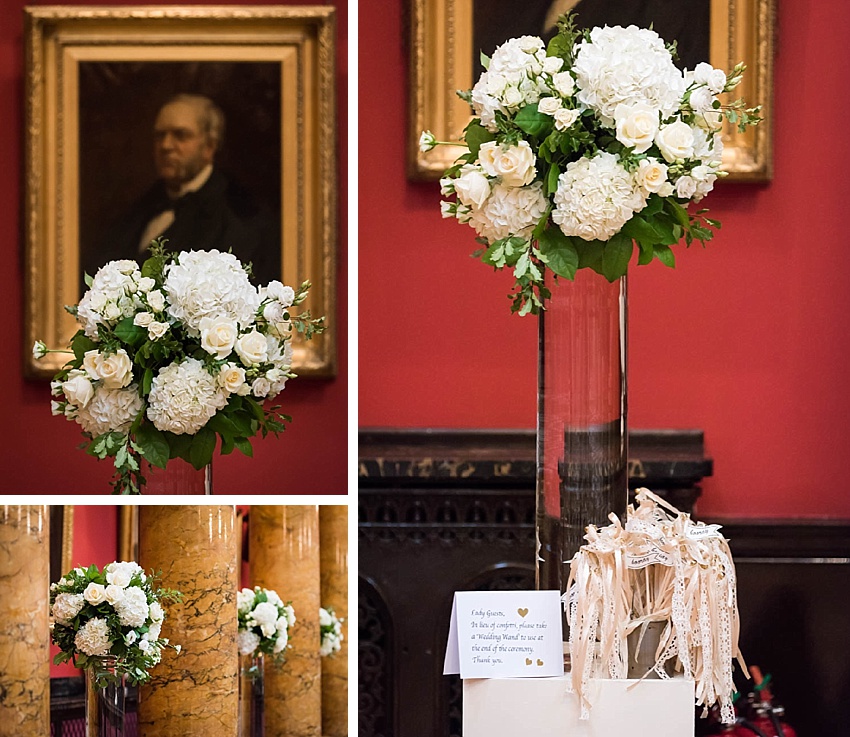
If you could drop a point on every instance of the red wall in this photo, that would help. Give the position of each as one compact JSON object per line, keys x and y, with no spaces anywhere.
{"x":747,"y":339}
{"x":38,"y":452}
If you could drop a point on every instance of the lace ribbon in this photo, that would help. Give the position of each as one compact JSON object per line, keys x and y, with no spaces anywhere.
{"x":661,"y":567}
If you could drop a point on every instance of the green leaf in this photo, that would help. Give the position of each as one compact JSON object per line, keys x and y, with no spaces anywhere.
{"x":202,"y":448}
{"x":154,"y":445}
{"x":679,"y":213}
{"x":129,"y":333}
{"x":640,"y":230}
{"x":616,"y":256}
{"x":475,"y":135}
{"x":147,"y":380}
{"x":552,"y":178}
{"x":530,"y":120}
{"x":560,"y":253}
{"x":647,"y":253}
{"x":178,"y":445}
{"x":81,"y":344}
{"x":653,"y":205}
{"x":244,"y":445}
{"x":485,"y":60}
{"x":88,"y":279}
{"x":666,"y":256}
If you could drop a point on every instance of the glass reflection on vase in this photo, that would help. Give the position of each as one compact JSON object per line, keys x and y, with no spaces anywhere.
{"x":178,"y":477}
{"x":105,"y":699}
{"x":251,"y":688}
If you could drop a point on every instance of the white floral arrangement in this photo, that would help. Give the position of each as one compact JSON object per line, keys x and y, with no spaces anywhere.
{"x":264,"y":623}
{"x":330,"y":629}
{"x":116,"y":612}
{"x":584,"y":148}
{"x":175,"y":354}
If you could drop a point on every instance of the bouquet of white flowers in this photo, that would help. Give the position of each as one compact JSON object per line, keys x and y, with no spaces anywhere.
{"x":330,"y":628}
{"x":264,"y":622}
{"x":115,"y":612}
{"x":175,"y":354}
{"x":584,"y":148}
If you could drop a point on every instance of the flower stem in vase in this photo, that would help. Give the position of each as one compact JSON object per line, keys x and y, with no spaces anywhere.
{"x":105,"y":697}
{"x":251,"y":695}
{"x":178,"y":477}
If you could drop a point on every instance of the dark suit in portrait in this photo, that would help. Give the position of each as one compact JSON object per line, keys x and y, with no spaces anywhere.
{"x":220,"y":215}
{"x":685,"y":21}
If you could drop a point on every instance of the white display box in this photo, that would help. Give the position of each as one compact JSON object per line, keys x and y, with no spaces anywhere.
{"x":542,"y":707}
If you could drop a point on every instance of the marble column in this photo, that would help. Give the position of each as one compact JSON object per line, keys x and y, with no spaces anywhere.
{"x":24,"y":621}
{"x":283,"y":545}
{"x":193,"y":692}
{"x":333,"y":535}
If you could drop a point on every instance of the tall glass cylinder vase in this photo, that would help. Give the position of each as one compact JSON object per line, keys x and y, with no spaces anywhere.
{"x":178,"y":477}
{"x":251,"y":696}
{"x":581,"y":418}
{"x":105,"y":694}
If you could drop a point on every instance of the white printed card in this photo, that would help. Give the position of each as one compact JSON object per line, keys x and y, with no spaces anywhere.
{"x":505,"y":634}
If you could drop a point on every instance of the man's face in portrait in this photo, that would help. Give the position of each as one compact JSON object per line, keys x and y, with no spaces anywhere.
{"x":181,"y":147}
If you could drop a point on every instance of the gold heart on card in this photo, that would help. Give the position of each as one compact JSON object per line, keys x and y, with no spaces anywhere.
{"x":539,"y":661}
{"x":522,"y":611}
{"x":528,"y":661}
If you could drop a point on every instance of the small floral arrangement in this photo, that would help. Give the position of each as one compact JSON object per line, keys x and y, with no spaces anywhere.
{"x":264,"y":622}
{"x":115,"y":612}
{"x":584,"y":148}
{"x":330,"y":628}
{"x":175,"y":354}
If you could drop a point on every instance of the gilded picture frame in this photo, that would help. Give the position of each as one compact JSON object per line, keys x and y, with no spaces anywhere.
{"x":274,"y":65}
{"x":441,"y":62}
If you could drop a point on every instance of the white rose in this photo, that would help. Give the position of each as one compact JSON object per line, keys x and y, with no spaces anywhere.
{"x":252,"y":348}
{"x":472,"y":186}
{"x":231,"y":378}
{"x":218,"y":336}
{"x":564,"y":118}
{"x":714,"y":79}
{"x":157,"y":329}
{"x":78,"y":389}
{"x":686,"y":187}
{"x":636,"y":126}
{"x":94,"y":593}
{"x":156,"y":300}
{"x":513,"y":97}
{"x":701,"y":100}
{"x":261,"y":387}
{"x":114,"y":593}
{"x":143,"y":319}
{"x":675,"y":141}
{"x":552,"y":64}
{"x":131,"y":637}
{"x":514,"y":164}
{"x":116,"y":371}
{"x":112,"y":311}
{"x":549,"y":105}
{"x":651,"y":174}
{"x":146,"y":284}
{"x":564,"y":83}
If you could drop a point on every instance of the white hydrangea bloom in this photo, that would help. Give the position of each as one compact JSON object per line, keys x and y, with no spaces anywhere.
{"x":211,"y":284}
{"x":66,"y":607}
{"x":596,"y":197}
{"x":265,"y":616}
{"x":244,"y":600}
{"x":133,"y":609}
{"x":93,"y":637}
{"x":112,"y":296}
{"x":509,"y":211}
{"x":183,"y":397}
{"x":512,"y":80}
{"x":110,"y":410}
{"x":627,"y":65}
{"x":247,"y":642}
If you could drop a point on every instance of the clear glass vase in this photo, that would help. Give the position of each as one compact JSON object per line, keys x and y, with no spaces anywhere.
{"x":251,"y":712}
{"x":105,"y":698}
{"x":178,"y":477}
{"x":581,"y":418}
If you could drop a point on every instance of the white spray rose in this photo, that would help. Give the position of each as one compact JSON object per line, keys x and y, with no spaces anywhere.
{"x":564,"y":83}
{"x":472,"y":186}
{"x":513,"y":164}
{"x":675,"y":141}
{"x":218,"y":335}
{"x":564,"y":118}
{"x":636,"y":126}
{"x":714,"y":79}
{"x":143,"y":319}
{"x":549,"y":105}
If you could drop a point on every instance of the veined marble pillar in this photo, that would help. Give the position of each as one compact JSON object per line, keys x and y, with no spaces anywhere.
{"x":283,"y":545}
{"x":333,"y":534}
{"x":24,"y":621}
{"x":193,"y":692}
